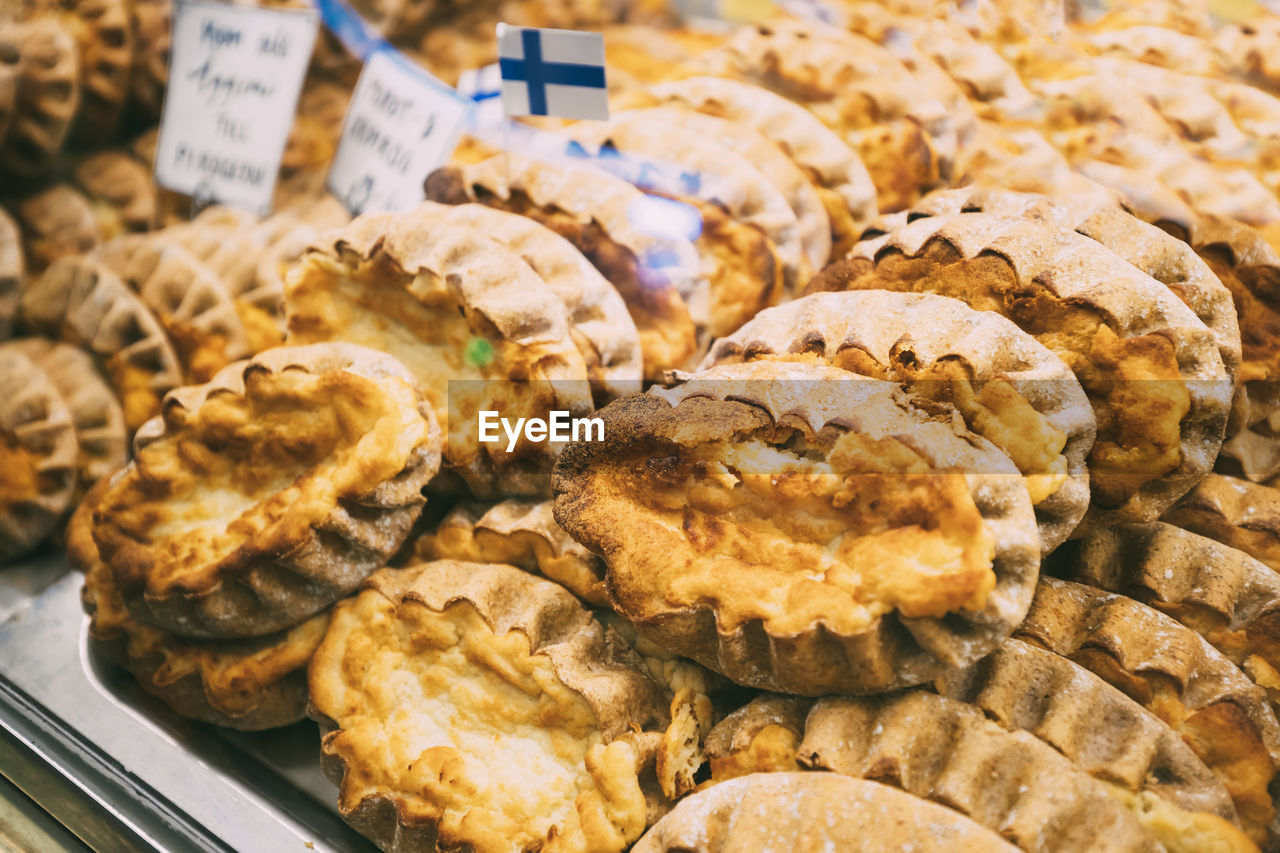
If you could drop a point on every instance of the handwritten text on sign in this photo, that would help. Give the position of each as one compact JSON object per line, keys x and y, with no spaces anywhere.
{"x":401,"y":125}
{"x":235,"y":73}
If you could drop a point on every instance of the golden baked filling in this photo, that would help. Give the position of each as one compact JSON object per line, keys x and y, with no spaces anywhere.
{"x":253,"y":471}
{"x":440,"y":697}
{"x":1155,"y":423}
{"x":21,"y":474}
{"x":798,"y":502}
{"x":454,"y":307}
{"x":775,"y":535}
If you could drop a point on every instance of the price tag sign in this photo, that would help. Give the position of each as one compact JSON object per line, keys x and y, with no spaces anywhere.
{"x":235,"y":73}
{"x":402,"y":123}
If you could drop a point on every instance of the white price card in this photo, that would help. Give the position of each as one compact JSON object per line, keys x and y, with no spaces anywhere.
{"x":235,"y":73}
{"x":401,"y":124}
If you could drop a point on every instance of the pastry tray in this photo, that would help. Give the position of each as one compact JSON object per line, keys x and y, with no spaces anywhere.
{"x":122,"y":771}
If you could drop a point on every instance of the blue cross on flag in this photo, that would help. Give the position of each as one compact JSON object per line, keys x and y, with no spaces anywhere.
{"x":552,"y":73}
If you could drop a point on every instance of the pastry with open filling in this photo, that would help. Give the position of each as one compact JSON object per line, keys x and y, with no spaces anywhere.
{"x":186,"y":298}
{"x":516,"y":533}
{"x":1220,"y":592}
{"x":152,"y":39}
{"x":103,"y":31}
{"x":903,"y":134}
{"x":1174,"y":673}
{"x":57,"y":222}
{"x":95,"y":411}
{"x":599,"y":323}
{"x":1234,"y":512}
{"x":123,"y":186}
{"x":260,"y":498}
{"x":477,"y":327}
{"x":796,"y":528}
{"x":679,"y":289}
{"x":812,"y":812}
{"x":13,"y":268}
{"x":1007,"y":387}
{"x":695,"y":163}
{"x":837,"y":172}
{"x":1150,"y":367}
{"x":38,"y":451}
{"x":475,"y":706}
{"x":48,"y":94}
{"x":251,"y":684}
{"x":1152,"y":770}
{"x":945,"y":750}
{"x":80,"y":301}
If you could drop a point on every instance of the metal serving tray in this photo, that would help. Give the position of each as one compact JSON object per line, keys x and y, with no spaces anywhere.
{"x":122,"y":771}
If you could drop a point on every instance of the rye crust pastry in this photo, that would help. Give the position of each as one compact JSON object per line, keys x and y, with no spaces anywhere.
{"x":516,"y":533}
{"x":837,"y":172}
{"x":1220,"y":592}
{"x":1176,"y":674}
{"x":122,"y":184}
{"x":80,"y":301}
{"x":1150,"y":367}
{"x":48,"y":94}
{"x":599,"y":323}
{"x":943,"y":750}
{"x":1234,"y":512}
{"x":812,"y":812}
{"x":38,"y":451}
{"x":262,"y":497}
{"x":659,"y":279}
{"x":95,"y":412}
{"x":57,"y":222}
{"x":1174,"y":795}
{"x":453,"y":305}
{"x":475,"y":706}
{"x":706,"y":499}
{"x":187,"y":299}
{"x":710,"y":170}
{"x":1008,"y":388}
{"x":241,"y":684}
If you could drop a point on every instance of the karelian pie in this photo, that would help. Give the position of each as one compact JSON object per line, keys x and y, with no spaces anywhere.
{"x":599,"y":323}
{"x":454,"y":306}
{"x":38,"y":452}
{"x":80,"y":301}
{"x":152,"y":39}
{"x":103,"y":31}
{"x":812,"y":813}
{"x":1151,"y":769}
{"x":1235,"y":512}
{"x":475,"y":706}
{"x":252,"y":684}
{"x":902,"y":133}
{"x":948,"y":751}
{"x":122,"y":185}
{"x":658,"y":276}
{"x":257,"y":500}
{"x":1150,"y":367}
{"x":1173,"y":672}
{"x":516,"y":533}
{"x":1153,"y":251}
{"x":187,"y":299}
{"x":9,"y":59}
{"x":95,"y":412}
{"x":714,"y":503}
{"x":1008,"y":388}
{"x":1220,"y":592}
{"x":13,"y":267}
{"x":763,"y":736}
{"x":48,"y":94}
{"x":690,"y":163}
{"x":837,"y":172}
{"x":57,"y":222}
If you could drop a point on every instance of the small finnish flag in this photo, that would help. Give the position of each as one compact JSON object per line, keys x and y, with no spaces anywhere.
{"x":481,"y":84}
{"x":552,"y":73}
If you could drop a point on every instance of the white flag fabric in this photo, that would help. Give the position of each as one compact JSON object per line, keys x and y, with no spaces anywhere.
{"x":549,"y":72}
